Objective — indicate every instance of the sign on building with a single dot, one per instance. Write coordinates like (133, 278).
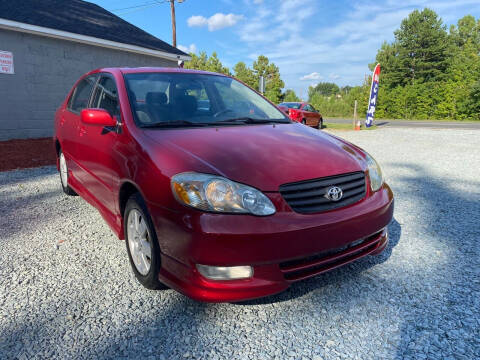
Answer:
(6, 62)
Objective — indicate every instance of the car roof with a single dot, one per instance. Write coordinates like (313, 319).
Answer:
(139, 70)
(295, 102)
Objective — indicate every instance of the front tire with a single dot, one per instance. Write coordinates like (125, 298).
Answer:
(304, 122)
(142, 244)
(64, 175)
(320, 124)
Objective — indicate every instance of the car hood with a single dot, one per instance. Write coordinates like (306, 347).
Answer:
(262, 156)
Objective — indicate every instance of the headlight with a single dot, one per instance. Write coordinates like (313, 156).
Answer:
(374, 173)
(218, 194)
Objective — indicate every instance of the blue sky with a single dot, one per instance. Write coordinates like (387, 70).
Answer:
(310, 40)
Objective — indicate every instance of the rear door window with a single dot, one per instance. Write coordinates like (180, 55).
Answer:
(81, 95)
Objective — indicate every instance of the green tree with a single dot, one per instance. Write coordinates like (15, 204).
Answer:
(467, 29)
(207, 63)
(474, 101)
(214, 64)
(273, 82)
(326, 89)
(290, 96)
(340, 106)
(388, 59)
(197, 62)
(422, 45)
(245, 74)
(428, 73)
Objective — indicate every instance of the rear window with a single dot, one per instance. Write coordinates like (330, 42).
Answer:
(291, 105)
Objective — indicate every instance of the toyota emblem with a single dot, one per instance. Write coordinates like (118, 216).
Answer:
(334, 193)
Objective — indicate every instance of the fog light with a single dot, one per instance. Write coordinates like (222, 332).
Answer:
(225, 273)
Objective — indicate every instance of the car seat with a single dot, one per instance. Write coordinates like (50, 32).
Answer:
(157, 106)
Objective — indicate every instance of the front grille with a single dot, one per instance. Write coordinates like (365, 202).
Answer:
(308, 196)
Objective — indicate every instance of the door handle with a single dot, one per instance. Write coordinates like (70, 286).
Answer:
(83, 131)
(62, 121)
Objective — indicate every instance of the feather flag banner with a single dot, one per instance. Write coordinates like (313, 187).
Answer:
(372, 104)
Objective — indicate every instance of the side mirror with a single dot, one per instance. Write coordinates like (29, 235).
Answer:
(98, 117)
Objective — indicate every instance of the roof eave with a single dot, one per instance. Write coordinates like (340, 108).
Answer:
(90, 40)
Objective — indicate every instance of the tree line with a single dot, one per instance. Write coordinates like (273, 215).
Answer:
(250, 76)
(428, 72)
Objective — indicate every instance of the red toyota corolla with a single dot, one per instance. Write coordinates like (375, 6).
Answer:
(217, 193)
(303, 113)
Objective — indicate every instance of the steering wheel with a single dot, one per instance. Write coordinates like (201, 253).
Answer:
(221, 112)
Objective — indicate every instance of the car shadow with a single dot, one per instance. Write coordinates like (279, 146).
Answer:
(354, 269)
(440, 317)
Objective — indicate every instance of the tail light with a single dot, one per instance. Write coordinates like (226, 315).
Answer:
(293, 113)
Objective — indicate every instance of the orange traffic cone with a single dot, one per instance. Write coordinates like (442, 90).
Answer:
(357, 125)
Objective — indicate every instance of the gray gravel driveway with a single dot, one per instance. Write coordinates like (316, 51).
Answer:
(67, 290)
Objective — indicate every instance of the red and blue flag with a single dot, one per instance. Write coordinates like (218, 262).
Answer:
(372, 104)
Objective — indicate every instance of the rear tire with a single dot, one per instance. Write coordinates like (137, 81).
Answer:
(142, 244)
(64, 175)
(304, 122)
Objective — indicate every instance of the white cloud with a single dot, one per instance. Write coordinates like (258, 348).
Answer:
(334, 76)
(313, 76)
(192, 48)
(197, 20)
(214, 22)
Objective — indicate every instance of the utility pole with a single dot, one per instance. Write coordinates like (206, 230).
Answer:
(174, 25)
(356, 123)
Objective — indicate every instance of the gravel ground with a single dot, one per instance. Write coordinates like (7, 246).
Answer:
(67, 290)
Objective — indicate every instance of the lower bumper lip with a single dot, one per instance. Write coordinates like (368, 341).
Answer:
(317, 264)
(268, 279)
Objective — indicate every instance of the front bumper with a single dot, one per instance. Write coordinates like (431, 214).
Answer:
(282, 248)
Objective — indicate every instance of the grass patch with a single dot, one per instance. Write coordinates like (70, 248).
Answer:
(346, 127)
(419, 120)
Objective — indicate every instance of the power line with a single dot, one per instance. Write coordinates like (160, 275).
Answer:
(135, 10)
(156, 2)
(139, 6)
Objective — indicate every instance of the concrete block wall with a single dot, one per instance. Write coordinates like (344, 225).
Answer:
(45, 70)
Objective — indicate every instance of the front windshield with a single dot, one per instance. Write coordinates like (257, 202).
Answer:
(180, 99)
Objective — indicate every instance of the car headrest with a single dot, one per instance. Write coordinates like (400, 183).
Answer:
(156, 98)
(186, 104)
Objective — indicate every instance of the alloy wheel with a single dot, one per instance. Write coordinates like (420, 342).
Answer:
(139, 241)
(63, 170)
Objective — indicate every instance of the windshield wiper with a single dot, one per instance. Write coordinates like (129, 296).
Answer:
(173, 124)
(250, 120)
